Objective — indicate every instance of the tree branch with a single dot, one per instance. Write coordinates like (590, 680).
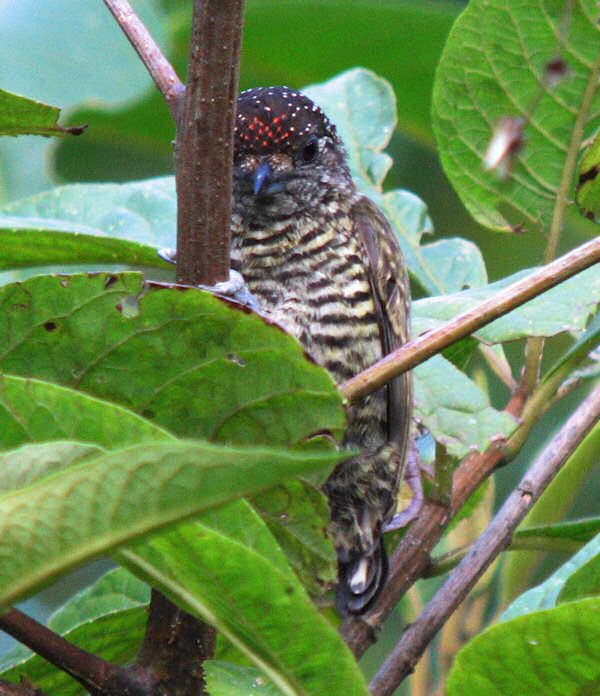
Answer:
(420, 349)
(419, 634)
(174, 649)
(204, 152)
(97, 676)
(161, 71)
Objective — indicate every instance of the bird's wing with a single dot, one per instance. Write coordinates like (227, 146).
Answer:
(391, 292)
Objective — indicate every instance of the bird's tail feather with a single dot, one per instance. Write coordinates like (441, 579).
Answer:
(360, 580)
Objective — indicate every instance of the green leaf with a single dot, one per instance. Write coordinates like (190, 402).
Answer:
(580, 531)
(192, 363)
(90, 508)
(456, 410)
(225, 679)
(106, 619)
(297, 515)
(476, 86)
(141, 213)
(22, 116)
(582, 347)
(363, 107)
(545, 595)
(584, 582)
(253, 602)
(114, 637)
(588, 183)
(566, 307)
(556, 651)
(35, 411)
(26, 465)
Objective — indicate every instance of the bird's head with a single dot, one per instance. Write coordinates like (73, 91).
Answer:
(288, 157)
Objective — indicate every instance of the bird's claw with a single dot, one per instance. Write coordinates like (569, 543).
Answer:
(235, 287)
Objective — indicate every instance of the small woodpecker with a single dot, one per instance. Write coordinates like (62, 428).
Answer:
(322, 259)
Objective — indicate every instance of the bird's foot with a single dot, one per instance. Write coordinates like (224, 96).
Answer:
(412, 476)
(234, 288)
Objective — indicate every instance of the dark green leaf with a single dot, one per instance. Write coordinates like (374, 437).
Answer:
(588, 183)
(22, 116)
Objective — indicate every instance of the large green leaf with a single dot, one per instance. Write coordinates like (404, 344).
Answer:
(257, 604)
(225, 679)
(22, 116)
(584, 582)
(106, 619)
(297, 515)
(566, 307)
(556, 651)
(545, 596)
(35, 411)
(182, 358)
(492, 67)
(363, 107)
(580, 531)
(108, 500)
(142, 213)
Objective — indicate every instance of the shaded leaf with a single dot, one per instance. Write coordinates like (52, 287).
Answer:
(36, 411)
(475, 87)
(580, 531)
(22, 116)
(112, 499)
(584, 582)
(254, 603)
(556, 651)
(297, 515)
(545, 595)
(588, 183)
(456, 410)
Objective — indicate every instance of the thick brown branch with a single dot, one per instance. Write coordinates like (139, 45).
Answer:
(204, 155)
(161, 71)
(419, 634)
(175, 648)
(417, 351)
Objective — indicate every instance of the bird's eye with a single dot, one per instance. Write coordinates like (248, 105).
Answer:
(310, 150)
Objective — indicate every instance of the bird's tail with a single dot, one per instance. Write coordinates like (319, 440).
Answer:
(360, 579)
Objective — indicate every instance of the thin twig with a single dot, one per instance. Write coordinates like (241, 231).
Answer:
(420, 349)
(419, 634)
(97, 676)
(161, 71)
(447, 561)
(204, 151)
(499, 367)
(25, 688)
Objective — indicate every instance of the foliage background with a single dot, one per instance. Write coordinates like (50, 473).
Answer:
(71, 53)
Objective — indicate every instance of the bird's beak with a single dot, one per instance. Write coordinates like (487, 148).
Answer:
(262, 178)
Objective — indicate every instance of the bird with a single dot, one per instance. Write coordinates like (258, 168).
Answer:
(317, 256)
(322, 259)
